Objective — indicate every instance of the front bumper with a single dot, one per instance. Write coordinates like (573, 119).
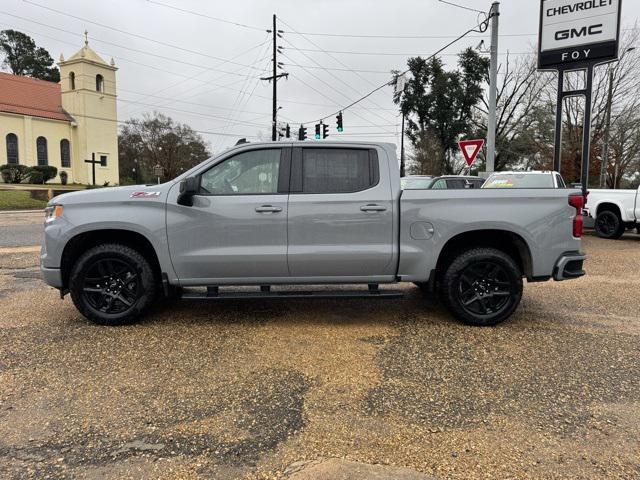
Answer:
(569, 266)
(52, 276)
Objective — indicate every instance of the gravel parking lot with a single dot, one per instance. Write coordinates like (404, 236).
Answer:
(245, 389)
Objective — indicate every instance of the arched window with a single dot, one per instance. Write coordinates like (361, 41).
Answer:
(99, 83)
(65, 153)
(72, 81)
(12, 148)
(41, 150)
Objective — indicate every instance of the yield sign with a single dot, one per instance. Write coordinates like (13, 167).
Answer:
(470, 149)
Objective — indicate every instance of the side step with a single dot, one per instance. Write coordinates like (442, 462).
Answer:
(215, 293)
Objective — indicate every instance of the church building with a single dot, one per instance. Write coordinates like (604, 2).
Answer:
(63, 124)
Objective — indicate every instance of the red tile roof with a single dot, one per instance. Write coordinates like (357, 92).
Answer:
(29, 96)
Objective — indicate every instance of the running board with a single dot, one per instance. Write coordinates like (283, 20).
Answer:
(214, 293)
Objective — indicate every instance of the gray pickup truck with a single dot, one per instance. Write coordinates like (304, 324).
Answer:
(259, 218)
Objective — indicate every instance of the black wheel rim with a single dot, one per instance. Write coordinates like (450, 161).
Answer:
(111, 286)
(606, 223)
(484, 289)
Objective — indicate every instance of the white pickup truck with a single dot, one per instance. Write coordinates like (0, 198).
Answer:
(611, 212)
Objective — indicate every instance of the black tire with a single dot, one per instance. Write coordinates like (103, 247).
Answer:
(609, 225)
(481, 286)
(112, 284)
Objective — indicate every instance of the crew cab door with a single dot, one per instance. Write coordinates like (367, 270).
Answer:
(340, 214)
(237, 226)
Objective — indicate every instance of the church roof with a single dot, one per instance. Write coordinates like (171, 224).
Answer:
(29, 96)
(86, 53)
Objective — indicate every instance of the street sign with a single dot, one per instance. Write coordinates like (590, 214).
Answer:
(470, 149)
(578, 32)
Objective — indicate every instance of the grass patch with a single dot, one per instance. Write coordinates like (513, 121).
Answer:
(19, 200)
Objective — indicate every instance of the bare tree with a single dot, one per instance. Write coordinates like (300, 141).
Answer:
(520, 94)
(158, 140)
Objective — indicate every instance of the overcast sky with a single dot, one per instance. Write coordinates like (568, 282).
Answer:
(173, 61)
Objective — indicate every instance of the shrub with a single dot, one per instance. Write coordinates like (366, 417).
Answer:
(6, 175)
(64, 177)
(48, 172)
(36, 176)
(17, 173)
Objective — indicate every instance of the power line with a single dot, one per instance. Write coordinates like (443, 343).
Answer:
(340, 63)
(341, 81)
(482, 26)
(462, 6)
(144, 52)
(399, 54)
(178, 83)
(412, 37)
(386, 72)
(159, 42)
(199, 14)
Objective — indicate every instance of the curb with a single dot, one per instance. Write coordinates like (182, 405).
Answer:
(35, 210)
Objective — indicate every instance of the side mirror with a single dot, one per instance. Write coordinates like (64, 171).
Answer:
(188, 188)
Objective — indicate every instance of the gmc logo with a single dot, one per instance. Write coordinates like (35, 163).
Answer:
(577, 33)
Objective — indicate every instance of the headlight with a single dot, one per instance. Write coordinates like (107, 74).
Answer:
(52, 212)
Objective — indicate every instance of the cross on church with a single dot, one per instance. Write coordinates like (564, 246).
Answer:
(86, 37)
(93, 162)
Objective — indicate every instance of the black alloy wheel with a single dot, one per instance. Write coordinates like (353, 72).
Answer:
(484, 288)
(481, 286)
(112, 284)
(609, 225)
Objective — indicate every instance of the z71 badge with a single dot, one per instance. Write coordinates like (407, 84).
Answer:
(145, 194)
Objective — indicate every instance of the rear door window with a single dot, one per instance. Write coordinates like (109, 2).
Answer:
(335, 170)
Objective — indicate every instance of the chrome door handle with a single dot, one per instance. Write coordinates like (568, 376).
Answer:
(268, 209)
(372, 208)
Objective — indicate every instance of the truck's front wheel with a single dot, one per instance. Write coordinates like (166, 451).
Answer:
(112, 284)
(482, 286)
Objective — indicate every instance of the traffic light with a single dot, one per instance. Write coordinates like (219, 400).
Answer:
(318, 131)
(339, 121)
(302, 133)
(287, 131)
(325, 130)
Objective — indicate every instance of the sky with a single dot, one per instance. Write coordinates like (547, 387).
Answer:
(200, 62)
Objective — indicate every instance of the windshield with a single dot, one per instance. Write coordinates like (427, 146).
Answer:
(415, 183)
(519, 180)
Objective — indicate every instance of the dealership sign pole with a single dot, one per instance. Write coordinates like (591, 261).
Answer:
(577, 35)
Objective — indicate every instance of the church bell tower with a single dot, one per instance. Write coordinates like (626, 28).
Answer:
(88, 86)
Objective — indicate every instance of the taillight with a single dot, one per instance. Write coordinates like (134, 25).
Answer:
(576, 200)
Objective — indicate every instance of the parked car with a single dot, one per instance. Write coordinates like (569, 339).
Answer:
(539, 179)
(268, 214)
(611, 212)
(416, 182)
(455, 182)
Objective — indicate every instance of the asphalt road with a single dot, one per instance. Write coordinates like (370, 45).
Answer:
(21, 229)
(246, 389)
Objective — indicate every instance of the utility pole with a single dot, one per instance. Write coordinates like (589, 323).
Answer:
(494, 15)
(274, 78)
(402, 160)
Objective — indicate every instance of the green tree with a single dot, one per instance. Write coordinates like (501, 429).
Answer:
(157, 140)
(439, 104)
(23, 57)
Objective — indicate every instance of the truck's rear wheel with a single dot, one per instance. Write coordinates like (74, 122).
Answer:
(609, 225)
(482, 286)
(112, 284)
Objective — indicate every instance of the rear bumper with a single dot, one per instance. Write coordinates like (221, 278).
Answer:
(569, 266)
(52, 276)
